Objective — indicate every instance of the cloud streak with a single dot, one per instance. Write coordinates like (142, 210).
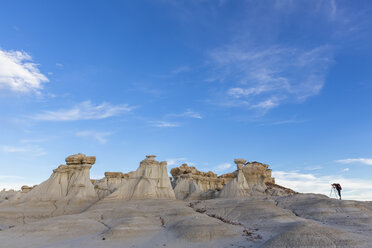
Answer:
(84, 111)
(178, 161)
(188, 113)
(222, 167)
(367, 161)
(164, 124)
(33, 150)
(262, 79)
(98, 136)
(19, 74)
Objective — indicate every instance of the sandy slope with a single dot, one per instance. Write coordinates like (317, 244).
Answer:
(302, 220)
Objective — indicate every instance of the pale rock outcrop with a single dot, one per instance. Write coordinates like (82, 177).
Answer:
(257, 174)
(237, 187)
(69, 183)
(68, 189)
(8, 195)
(149, 181)
(190, 183)
(26, 189)
(109, 183)
(277, 190)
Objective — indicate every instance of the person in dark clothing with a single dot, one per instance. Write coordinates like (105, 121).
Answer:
(337, 187)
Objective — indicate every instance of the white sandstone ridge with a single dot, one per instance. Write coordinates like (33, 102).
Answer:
(149, 181)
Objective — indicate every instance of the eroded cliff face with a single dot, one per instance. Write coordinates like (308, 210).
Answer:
(190, 183)
(149, 181)
(71, 185)
(110, 183)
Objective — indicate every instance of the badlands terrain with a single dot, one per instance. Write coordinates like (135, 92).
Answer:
(146, 208)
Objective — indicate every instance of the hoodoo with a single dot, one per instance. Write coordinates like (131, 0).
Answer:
(68, 190)
(70, 182)
(238, 187)
(149, 181)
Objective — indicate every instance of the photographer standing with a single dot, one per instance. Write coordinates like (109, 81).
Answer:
(337, 186)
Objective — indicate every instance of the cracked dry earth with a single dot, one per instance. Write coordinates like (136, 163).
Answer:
(302, 220)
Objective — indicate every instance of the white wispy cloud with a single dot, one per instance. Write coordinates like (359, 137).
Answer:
(181, 69)
(99, 136)
(164, 124)
(353, 188)
(178, 161)
(367, 161)
(346, 170)
(30, 141)
(311, 168)
(283, 122)
(10, 177)
(34, 150)
(84, 111)
(18, 73)
(262, 79)
(223, 167)
(188, 113)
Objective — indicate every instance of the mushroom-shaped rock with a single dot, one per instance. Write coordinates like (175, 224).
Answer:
(26, 189)
(80, 159)
(239, 163)
(69, 187)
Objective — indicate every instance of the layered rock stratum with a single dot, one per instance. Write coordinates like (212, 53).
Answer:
(146, 208)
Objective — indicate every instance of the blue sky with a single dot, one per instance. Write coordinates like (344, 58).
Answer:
(286, 83)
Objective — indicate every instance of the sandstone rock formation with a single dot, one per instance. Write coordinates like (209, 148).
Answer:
(26, 189)
(237, 187)
(68, 190)
(278, 190)
(7, 195)
(149, 181)
(190, 183)
(257, 174)
(109, 183)
(68, 183)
